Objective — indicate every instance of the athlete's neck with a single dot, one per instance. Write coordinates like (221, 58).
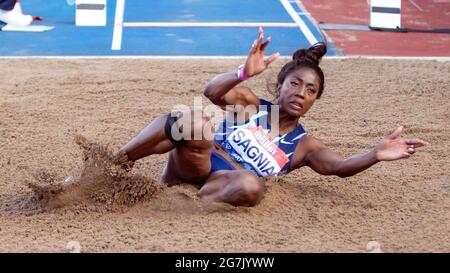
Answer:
(286, 122)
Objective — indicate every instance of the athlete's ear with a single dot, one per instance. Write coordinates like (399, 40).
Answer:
(278, 88)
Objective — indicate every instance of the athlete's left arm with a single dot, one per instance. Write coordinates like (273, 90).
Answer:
(328, 162)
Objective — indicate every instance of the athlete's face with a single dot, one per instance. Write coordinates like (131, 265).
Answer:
(299, 91)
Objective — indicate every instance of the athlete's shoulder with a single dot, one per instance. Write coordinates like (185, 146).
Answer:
(306, 145)
(310, 144)
(246, 95)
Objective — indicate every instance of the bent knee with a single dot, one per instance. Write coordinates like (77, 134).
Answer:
(196, 130)
(195, 125)
(251, 190)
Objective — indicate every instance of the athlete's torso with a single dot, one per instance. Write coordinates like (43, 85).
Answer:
(249, 144)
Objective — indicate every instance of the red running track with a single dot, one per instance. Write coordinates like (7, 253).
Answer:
(425, 14)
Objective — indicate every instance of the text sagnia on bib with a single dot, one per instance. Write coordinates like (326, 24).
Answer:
(253, 148)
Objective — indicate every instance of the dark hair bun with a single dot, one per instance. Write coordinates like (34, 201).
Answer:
(313, 54)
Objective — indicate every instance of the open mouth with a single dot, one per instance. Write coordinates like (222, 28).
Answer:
(296, 105)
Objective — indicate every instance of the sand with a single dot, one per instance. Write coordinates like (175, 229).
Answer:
(61, 121)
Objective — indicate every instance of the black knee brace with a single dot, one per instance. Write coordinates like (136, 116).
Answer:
(171, 121)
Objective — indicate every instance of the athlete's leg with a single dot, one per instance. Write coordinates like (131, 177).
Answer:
(190, 161)
(189, 157)
(151, 140)
(236, 187)
(7, 5)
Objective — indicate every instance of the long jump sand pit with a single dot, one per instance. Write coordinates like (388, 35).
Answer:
(60, 119)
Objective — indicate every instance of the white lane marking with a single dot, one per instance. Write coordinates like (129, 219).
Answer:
(303, 28)
(118, 25)
(219, 57)
(416, 5)
(210, 24)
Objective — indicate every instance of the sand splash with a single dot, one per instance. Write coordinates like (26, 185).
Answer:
(105, 180)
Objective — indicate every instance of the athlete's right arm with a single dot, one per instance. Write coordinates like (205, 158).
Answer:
(222, 90)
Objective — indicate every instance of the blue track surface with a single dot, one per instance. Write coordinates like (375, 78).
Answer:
(66, 39)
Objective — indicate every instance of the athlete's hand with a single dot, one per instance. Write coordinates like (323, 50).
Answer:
(392, 147)
(256, 63)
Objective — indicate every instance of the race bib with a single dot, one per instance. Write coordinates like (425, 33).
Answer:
(254, 150)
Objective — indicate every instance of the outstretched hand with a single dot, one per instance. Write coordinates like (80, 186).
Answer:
(392, 147)
(256, 63)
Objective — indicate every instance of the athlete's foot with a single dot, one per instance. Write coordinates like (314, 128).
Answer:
(16, 17)
(121, 159)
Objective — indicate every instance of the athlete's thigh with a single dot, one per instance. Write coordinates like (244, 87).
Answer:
(219, 179)
(236, 187)
(190, 161)
(192, 164)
